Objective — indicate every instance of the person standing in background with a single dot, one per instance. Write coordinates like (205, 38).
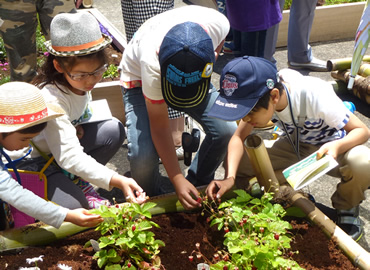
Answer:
(249, 21)
(136, 12)
(19, 31)
(300, 56)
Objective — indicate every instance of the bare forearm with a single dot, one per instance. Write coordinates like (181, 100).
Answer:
(355, 137)
(234, 155)
(235, 149)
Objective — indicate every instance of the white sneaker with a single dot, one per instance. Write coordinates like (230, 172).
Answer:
(180, 153)
(314, 65)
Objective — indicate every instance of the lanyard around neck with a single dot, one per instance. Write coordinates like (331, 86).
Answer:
(296, 133)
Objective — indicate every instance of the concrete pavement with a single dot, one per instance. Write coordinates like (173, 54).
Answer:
(321, 189)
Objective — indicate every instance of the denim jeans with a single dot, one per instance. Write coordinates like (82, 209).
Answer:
(143, 156)
(249, 43)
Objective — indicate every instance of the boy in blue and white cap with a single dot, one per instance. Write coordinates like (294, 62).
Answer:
(251, 90)
(169, 62)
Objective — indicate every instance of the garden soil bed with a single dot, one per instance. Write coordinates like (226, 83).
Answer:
(180, 232)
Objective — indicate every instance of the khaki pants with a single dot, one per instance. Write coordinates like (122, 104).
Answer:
(353, 169)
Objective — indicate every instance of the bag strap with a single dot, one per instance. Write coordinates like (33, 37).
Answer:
(302, 112)
(47, 164)
(11, 164)
(45, 156)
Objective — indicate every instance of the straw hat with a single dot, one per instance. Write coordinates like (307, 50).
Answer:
(74, 34)
(22, 105)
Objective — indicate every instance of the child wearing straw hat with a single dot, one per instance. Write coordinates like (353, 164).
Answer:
(76, 63)
(23, 115)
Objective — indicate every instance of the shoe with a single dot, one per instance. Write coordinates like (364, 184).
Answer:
(229, 48)
(93, 198)
(180, 153)
(314, 65)
(95, 202)
(349, 221)
(87, 3)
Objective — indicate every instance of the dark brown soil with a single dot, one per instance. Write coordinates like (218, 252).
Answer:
(180, 232)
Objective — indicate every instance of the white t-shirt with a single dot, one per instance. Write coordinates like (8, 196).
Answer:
(59, 138)
(140, 58)
(326, 115)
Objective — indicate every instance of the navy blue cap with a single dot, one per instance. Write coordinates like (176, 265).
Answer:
(186, 58)
(243, 82)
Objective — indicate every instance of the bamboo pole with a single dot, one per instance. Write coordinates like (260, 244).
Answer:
(359, 257)
(39, 233)
(364, 70)
(36, 234)
(361, 86)
(261, 163)
(339, 87)
(343, 63)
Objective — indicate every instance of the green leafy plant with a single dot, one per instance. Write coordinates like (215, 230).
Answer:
(4, 79)
(111, 72)
(40, 40)
(126, 239)
(288, 3)
(2, 51)
(256, 236)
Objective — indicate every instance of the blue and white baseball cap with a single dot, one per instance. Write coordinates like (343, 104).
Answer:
(186, 58)
(243, 82)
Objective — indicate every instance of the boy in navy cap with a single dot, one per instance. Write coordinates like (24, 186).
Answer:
(251, 90)
(169, 62)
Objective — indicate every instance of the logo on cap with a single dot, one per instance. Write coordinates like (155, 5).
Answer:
(207, 71)
(270, 83)
(180, 78)
(229, 84)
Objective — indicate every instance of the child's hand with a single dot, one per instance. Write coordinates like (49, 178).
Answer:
(83, 218)
(217, 188)
(79, 132)
(132, 191)
(329, 148)
(140, 197)
(188, 195)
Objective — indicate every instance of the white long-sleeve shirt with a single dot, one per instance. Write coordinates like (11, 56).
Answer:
(59, 138)
(28, 202)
